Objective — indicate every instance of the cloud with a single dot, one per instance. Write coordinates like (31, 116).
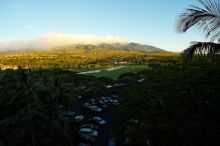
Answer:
(59, 39)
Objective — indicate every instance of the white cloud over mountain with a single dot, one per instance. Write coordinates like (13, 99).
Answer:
(59, 39)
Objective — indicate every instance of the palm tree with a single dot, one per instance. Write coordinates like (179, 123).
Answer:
(207, 19)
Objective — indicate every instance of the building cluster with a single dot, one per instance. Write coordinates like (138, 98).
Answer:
(4, 67)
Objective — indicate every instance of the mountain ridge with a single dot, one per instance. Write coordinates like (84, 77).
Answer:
(92, 47)
(107, 46)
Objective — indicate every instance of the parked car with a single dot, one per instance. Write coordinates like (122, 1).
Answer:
(87, 138)
(140, 80)
(83, 144)
(91, 126)
(134, 121)
(88, 131)
(93, 101)
(115, 96)
(71, 114)
(114, 102)
(99, 120)
(101, 102)
(108, 98)
(86, 105)
(95, 108)
(79, 118)
(103, 98)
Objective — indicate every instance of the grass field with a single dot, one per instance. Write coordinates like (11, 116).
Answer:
(117, 73)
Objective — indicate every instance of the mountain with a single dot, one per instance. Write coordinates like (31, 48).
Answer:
(108, 47)
(131, 47)
(93, 48)
(63, 41)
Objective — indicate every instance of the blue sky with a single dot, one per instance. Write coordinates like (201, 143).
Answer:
(145, 21)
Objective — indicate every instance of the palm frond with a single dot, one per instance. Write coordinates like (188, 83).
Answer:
(207, 19)
(201, 49)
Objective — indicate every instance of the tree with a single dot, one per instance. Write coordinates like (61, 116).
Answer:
(207, 19)
(28, 109)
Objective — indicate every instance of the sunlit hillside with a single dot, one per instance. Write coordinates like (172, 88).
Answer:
(85, 56)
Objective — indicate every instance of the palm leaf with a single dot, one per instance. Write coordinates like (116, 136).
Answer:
(201, 49)
(207, 19)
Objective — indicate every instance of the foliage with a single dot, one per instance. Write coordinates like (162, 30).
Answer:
(174, 106)
(30, 112)
(208, 20)
(201, 49)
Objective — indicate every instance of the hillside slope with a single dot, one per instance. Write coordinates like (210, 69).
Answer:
(117, 46)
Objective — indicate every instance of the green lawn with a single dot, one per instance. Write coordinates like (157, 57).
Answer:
(116, 73)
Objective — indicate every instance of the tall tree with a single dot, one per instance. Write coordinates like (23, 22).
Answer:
(207, 19)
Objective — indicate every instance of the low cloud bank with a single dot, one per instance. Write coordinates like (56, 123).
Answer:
(59, 39)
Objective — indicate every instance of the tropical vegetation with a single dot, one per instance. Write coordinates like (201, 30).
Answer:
(206, 19)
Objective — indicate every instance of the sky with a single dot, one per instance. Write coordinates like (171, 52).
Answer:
(149, 22)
